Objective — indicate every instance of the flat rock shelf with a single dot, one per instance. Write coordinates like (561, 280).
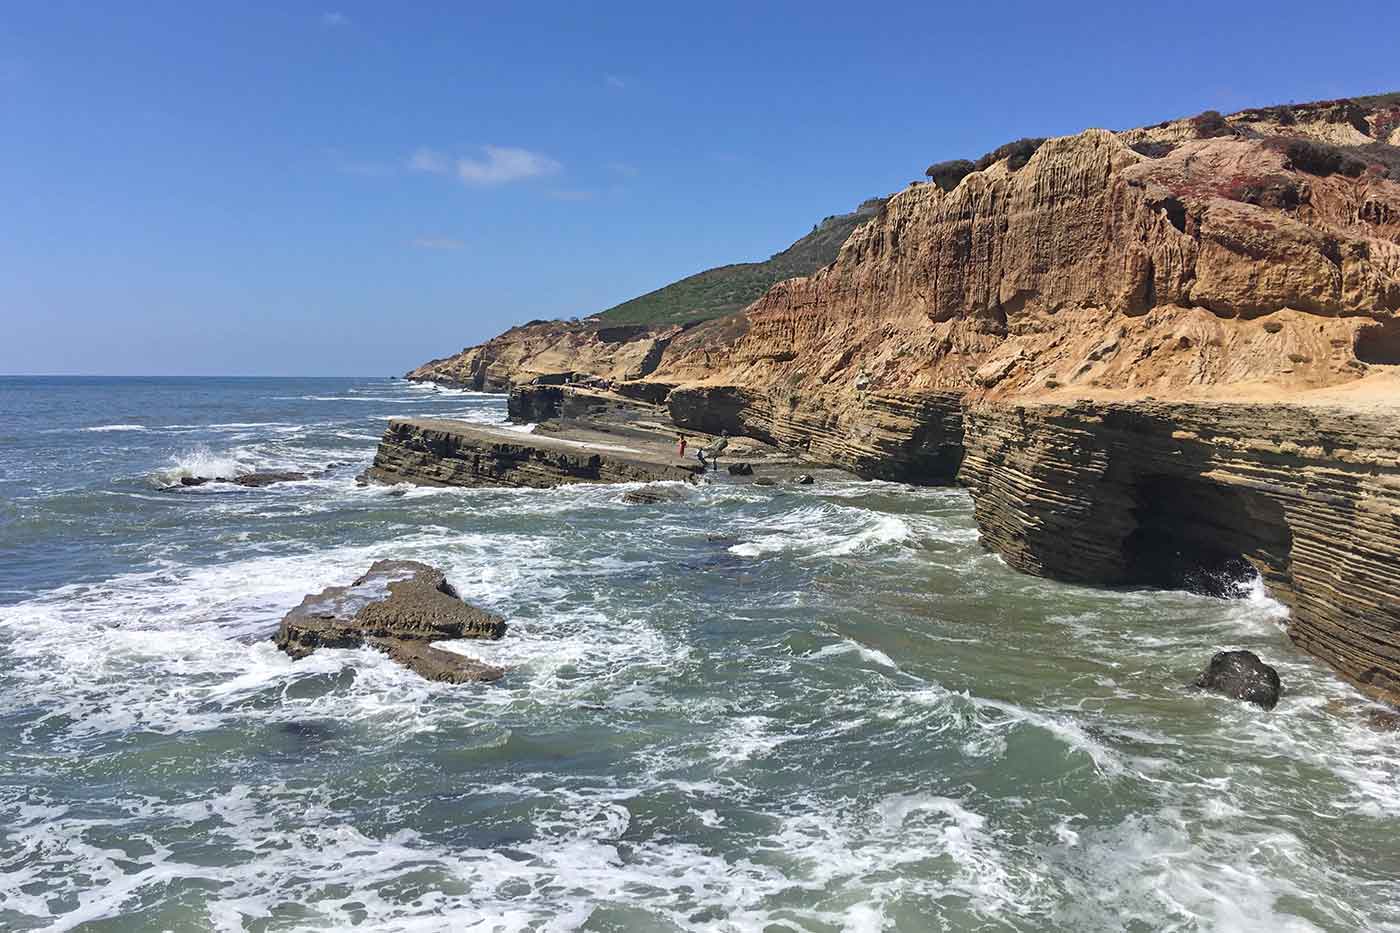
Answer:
(449, 453)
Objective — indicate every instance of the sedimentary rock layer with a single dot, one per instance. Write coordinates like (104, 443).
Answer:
(1138, 492)
(447, 453)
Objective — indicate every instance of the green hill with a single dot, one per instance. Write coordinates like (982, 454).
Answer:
(726, 289)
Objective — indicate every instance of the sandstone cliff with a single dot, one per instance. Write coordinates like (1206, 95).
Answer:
(1175, 344)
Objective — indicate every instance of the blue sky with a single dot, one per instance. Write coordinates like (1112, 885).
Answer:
(352, 188)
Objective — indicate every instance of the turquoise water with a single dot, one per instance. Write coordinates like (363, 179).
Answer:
(763, 708)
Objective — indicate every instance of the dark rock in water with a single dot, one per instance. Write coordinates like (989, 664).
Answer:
(308, 731)
(267, 479)
(1241, 675)
(765, 481)
(806, 479)
(255, 480)
(740, 469)
(398, 607)
(651, 495)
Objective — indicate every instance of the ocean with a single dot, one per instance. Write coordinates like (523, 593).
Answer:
(763, 708)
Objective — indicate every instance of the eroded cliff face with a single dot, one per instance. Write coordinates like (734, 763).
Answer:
(1092, 266)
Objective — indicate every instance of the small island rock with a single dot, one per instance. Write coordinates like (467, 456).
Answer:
(398, 607)
(1243, 676)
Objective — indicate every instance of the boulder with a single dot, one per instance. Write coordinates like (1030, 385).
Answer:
(765, 481)
(806, 479)
(1241, 675)
(398, 607)
(740, 469)
(651, 495)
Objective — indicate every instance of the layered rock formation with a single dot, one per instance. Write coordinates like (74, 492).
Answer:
(1148, 493)
(1145, 352)
(398, 607)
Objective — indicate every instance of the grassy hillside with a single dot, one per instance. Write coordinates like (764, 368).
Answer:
(726, 289)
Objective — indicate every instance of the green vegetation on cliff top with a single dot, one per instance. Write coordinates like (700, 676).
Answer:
(726, 289)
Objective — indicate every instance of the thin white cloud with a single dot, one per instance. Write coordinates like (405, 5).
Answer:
(334, 18)
(430, 160)
(505, 164)
(438, 242)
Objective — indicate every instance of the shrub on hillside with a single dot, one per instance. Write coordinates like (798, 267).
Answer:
(1281, 192)
(946, 175)
(1016, 153)
(1283, 115)
(1317, 158)
(1211, 124)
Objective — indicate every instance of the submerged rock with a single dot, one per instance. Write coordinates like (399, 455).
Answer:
(740, 469)
(765, 481)
(651, 495)
(1241, 675)
(398, 607)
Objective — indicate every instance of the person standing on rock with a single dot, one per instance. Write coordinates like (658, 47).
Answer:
(680, 446)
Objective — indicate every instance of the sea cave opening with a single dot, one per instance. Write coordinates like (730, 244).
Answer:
(1205, 537)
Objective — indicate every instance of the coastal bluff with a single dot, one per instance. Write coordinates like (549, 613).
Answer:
(1151, 355)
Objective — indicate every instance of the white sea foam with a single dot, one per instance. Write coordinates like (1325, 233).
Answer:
(822, 531)
(104, 428)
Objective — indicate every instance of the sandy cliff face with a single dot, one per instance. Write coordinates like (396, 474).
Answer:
(1092, 266)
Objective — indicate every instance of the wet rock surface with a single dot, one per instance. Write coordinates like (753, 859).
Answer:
(652, 495)
(400, 608)
(251, 480)
(1242, 676)
(740, 469)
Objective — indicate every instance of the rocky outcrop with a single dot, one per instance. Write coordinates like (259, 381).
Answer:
(447, 453)
(1150, 493)
(1242, 676)
(399, 608)
(250, 480)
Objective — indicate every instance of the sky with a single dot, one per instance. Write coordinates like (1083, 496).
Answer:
(353, 188)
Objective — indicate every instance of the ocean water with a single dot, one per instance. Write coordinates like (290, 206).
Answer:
(763, 708)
